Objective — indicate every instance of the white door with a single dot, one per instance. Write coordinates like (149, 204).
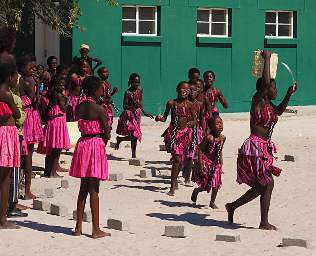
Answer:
(47, 42)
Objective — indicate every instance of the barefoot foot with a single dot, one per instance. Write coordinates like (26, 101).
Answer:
(213, 206)
(77, 233)
(9, 225)
(99, 234)
(171, 192)
(29, 196)
(267, 226)
(230, 213)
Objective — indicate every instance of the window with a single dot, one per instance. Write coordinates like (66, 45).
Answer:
(212, 22)
(279, 24)
(139, 20)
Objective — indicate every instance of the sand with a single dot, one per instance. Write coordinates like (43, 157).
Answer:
(143, 203)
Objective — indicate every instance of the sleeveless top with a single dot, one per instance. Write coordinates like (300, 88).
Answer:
(264, 117)
(211, 95)
(134, 97)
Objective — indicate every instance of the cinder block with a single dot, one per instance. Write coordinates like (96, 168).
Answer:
(162, 148)
(145, 173)
(112, 144)
(164, 173)
(87, 216)
(59, 210)
(289, 158)
(136, 161)
(228, 238)
(115, 176)
(41, 205)
(117, 225)
(295, 242)
(49, 192)
(174, 231)
(64, 184)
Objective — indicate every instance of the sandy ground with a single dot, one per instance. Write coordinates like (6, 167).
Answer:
(143, 203)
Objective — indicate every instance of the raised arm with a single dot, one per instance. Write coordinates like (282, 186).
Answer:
(283, 105)
(265, 74)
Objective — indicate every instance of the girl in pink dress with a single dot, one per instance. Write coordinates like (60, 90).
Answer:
(9, 141)
(178, 137)
(32, 129)
(107, 101)
(207, 171)
(129, 122)
(255, 159)
(56, 132)
(89, 162)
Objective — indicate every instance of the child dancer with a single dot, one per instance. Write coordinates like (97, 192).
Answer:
(178, 136)
(129, 122)
(193, 75)
(207, 170)
(107, 101)
(9, 141)
(32, 130)
(89, 161)
(212, 95)
(56, 132)
(255, 158)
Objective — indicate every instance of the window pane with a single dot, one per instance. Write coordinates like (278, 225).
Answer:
(219, 29)
(129, 12)
(203, 28)
(147, 13)
(270, 30)
(285, 30)
(270, 17)
(128, 26)
(203, 15)
(218, 15)
(285, 17)
(147, 27)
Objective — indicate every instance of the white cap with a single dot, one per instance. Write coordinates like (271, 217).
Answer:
(84, 46)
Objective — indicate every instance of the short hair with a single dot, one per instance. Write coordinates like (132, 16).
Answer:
(132, 77)
(90, 84)
(100, 69)
(181, 84)
(259, 83)
(23, 61)
(50, 58)
(212, 120)
(193, 71)
(7, 36)
(6, 70)
(207, 72)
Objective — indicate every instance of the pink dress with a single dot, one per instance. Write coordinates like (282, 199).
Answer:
(129, 122)
(107, 106)
(9, 141)
(89, 159)
(255, 158)
(32, 129)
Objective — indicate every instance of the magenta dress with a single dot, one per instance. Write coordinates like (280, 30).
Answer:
(32, 129)
(129, 122)
(9, 141)
(107, 106)
(89, 159)
(255, 158)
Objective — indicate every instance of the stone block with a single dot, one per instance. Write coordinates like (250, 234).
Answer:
(228, 238)
(87, 216)
(289, 158)
(41, 205)
(59, 210)
(296, 242)
(64, 184)
(136, 161)
(117, 225)
(174, 231)
(145, 173)
(49, 192)
(115, 176)
(162, 148)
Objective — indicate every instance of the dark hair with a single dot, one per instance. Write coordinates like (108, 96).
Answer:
(90, 84)
(50, 58)
(40, 66)
(212, 120)
(23, 61)
(259, 83)
(7, 37)
(55, 81)
(132, 77)
(100, 70)
(6, 70)
(60, 69)
(193, 71)
(180, 84)
(207, 72)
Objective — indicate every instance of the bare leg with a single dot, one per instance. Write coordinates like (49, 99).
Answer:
(195, 193)
(213, 198)
(174, 175)
(81, 202)
(54, 163)
(187, 171)
(265, 200)
(94, 185)
(48, 166)
(133, 146)
(28, 172)
(120, 139)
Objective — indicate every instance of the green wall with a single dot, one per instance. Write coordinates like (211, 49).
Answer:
(163, 61)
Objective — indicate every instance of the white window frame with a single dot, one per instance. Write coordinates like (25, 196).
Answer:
(210, 22)
(137, 20)
(277, 24)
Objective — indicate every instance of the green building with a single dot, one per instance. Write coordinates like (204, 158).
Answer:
(162, 39)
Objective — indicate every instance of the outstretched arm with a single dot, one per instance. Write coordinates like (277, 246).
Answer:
(282, 106)
(222, 99)
(166, 113)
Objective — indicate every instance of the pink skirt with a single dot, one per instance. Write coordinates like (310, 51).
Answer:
(109, 111)
(89, 159)
(9, 147)
(32, 129)
(255, 163)
(128, 124)
(182, 145)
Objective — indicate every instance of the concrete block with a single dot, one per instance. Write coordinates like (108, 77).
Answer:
(296, 242)
(164, 173)
(162, 148)
(115, 176)
(228, 238)
(59, 210)
(154, 171)
(49, 192)
(289, 158)
(87, 216)
(117, 225)
(174, 231)
(41, 205)
(112, 144)
(136, 161)
(64, 184)
(145, 173)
